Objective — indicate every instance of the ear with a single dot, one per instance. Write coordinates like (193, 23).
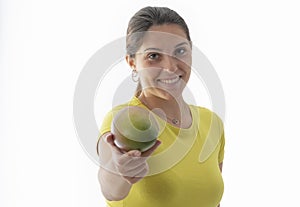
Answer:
(131, 62)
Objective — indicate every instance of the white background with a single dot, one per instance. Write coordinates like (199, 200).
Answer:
(253, 45)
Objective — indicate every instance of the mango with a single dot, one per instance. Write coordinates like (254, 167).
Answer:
(135, 128)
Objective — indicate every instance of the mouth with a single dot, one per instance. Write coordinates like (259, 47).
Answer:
(170, 80)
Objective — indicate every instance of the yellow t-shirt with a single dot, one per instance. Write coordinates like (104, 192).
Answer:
(184, 169)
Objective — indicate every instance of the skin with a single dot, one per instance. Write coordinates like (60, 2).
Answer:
(165, 55)
(119, 170)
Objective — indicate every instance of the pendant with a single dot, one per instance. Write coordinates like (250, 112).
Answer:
(175, 121)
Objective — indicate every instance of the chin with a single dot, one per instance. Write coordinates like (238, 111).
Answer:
(168, 95)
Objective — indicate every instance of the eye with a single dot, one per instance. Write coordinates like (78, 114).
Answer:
(180, 51)
(153, 56)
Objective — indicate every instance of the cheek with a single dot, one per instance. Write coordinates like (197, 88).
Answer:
(149, 65)
(143, 65)
(147, 70)
(186, 68)
(186, 62)
(149, 73)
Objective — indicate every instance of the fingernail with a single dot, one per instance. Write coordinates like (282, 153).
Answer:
(137, 153)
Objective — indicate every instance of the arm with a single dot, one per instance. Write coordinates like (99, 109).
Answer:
(119, 170)
(113, 186)
(220, 166)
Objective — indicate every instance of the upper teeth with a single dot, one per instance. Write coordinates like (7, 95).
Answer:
(169, 80)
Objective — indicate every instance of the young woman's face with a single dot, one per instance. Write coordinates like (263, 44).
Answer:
(163, 61)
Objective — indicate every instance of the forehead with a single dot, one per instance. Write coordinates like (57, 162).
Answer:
(164, 36)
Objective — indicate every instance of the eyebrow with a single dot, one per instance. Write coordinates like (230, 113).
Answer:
(152, 48)
(157, 49)
(180, 44)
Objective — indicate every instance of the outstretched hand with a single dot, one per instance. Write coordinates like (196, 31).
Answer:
(131, 165)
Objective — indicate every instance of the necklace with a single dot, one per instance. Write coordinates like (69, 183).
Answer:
(175, 121)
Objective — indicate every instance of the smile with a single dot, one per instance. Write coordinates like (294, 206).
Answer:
(170, 81)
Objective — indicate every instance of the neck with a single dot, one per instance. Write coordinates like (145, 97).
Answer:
(170, 108)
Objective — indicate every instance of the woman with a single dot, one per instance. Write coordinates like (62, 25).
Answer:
(184, 166)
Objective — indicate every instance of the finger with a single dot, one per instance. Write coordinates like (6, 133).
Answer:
(109, 139)
(135, 170)
(143, 172)
(151, 150)
(131, 180)
(134, 153)
(137, 177)
(128, 156)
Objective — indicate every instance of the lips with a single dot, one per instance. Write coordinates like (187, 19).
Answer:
(169, 80)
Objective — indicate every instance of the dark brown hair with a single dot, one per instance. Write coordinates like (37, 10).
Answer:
(143, 20)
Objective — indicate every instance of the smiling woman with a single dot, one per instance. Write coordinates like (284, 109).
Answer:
(159, 52)
(163, 61)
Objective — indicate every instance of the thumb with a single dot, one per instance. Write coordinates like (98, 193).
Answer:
(109, 139)
(134, 153)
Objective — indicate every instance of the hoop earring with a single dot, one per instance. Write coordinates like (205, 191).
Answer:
(135, 76)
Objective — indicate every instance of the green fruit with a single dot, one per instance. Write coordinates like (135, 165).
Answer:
(135, 128)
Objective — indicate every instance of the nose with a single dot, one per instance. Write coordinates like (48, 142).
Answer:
(169, 64)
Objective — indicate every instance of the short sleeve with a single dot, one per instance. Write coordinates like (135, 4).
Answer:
(222, 146)
(106, 123)
(107, 120)
(105, 127)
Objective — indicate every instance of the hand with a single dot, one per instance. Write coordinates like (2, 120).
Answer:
(131, 165)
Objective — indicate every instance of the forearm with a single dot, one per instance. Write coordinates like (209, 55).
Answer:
(113, 186)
